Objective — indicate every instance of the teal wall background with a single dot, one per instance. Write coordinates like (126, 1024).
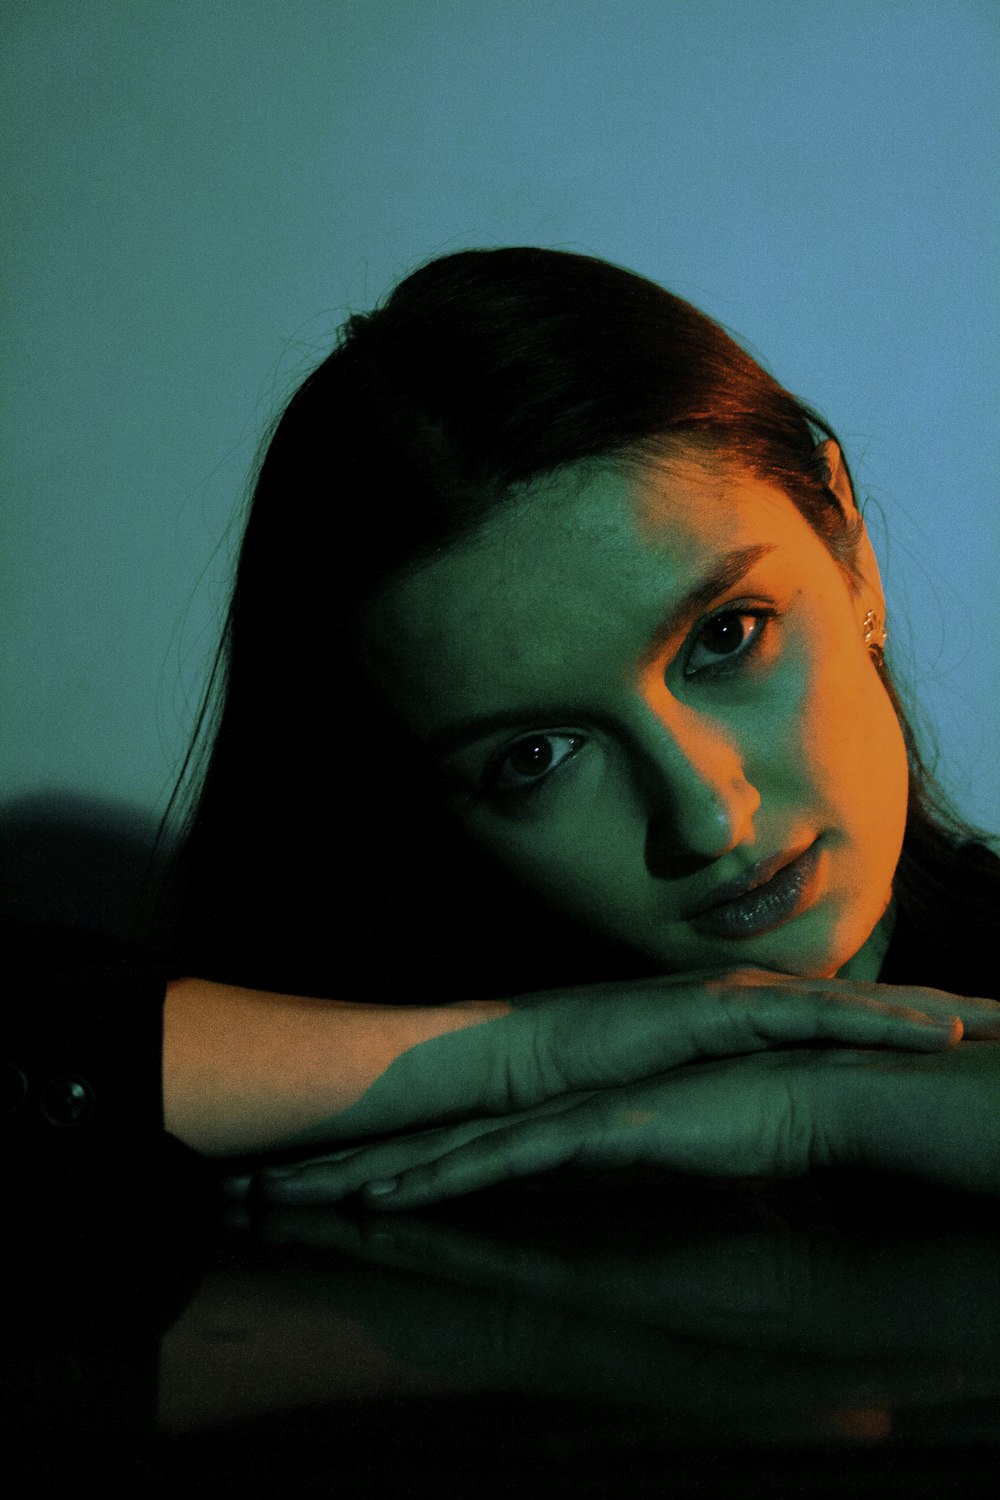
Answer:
(198, 191)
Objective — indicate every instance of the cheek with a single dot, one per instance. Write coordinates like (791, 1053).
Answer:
(880, 784)
(851, 752)
(582, 857)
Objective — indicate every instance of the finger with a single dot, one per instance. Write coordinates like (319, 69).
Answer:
(823, 1011)
(240, 1187)
(513, 1150)
(337, 1174)
(932, 1118)
(980, 1017)
(589, 1041)
(976, 1012)
(330, 1178)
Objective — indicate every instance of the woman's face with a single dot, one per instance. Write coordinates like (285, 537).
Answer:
(648, 691)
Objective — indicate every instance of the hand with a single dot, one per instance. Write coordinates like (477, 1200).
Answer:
(248, 1071)
(765, 1112)
(617, 1033)
(245, 1072)
(535, 1048)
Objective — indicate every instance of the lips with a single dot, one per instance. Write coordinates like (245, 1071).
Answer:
(762, 897)
(757, 875)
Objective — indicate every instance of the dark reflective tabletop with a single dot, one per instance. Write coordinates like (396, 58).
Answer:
(565, 1337)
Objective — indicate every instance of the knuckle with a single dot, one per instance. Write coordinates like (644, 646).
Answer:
(802, 1144)
(580, 1047)
(830, 1124)
(532, 1066)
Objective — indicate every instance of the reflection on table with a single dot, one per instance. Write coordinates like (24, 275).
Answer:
(579, 1335)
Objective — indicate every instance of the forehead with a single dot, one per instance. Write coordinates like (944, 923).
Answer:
(567, 581)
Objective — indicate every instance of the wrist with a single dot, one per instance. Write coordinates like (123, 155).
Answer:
(246, 1071)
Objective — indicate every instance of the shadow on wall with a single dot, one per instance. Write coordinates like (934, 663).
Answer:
(81, 862)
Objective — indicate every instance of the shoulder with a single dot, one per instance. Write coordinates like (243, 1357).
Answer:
(948, 901)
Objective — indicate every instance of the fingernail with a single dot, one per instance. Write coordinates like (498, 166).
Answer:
(380, 1189)
(289, 1171)
(923, 1022)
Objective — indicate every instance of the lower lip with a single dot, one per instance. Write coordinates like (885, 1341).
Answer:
(765, 907)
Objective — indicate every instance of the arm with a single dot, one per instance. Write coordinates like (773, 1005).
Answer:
(247, 1071)
(773, 1111)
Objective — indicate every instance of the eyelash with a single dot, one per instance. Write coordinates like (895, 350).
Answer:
(535, 783)
(762, 617)
(747, 648)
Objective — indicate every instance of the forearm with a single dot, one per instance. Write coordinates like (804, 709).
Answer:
(247, 1071)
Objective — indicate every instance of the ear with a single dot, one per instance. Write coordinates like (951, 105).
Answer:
(865, 561)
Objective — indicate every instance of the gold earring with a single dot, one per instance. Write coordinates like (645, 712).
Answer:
(875, 636)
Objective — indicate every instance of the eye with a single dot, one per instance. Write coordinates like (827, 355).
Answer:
(725, 639)
(526, 764)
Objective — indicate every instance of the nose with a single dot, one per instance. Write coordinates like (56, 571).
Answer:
(694, 783)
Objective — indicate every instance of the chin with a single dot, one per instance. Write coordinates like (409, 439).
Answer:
(772, 951)
(851, 952)
(806, 947)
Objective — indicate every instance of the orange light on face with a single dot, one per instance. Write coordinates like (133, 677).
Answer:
(657, 692)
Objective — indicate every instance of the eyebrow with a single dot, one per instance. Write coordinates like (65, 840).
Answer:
(727, 572)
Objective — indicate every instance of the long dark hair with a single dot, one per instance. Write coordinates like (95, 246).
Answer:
(317, 858)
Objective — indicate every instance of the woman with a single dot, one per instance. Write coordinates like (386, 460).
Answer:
(554, 670)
